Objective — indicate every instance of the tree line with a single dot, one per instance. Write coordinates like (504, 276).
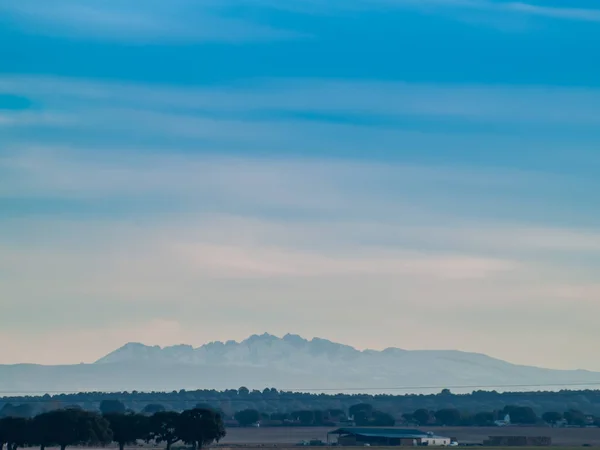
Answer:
(363, 414)
(519, 415)
(301, 408)
(197, 427)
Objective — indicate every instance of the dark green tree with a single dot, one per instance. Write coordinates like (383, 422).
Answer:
(422, 416)
(200, 427)
(361, 413)
(523, 415)
(16, 431)
(43, 429)
(318, 417)
(65, 427)
(247, 417)
(128, 428)
(466, 419)
(24, 410)
(448, 417)
(305, 417)
(360, 408)
(153, 408)
(382, 419)
(204, 405)
(483, 419)
(163, 427)
(552, 417)
(243, 391)
(3, 433)
(94, 429)
(112, 407)
(575, 418)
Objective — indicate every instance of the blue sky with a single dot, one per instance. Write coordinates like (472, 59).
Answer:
(191, 171)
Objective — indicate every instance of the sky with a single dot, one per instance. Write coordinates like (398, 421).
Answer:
(420, 174)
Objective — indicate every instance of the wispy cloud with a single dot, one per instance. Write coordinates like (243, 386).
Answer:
(35, 118)
(497, 6)
(127, 20)
(579, 14)
(285, 184)
(226, 21)
(364, 199)
(432, 6)
(514, 104)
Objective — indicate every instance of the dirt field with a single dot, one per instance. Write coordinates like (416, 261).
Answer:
(560, 436)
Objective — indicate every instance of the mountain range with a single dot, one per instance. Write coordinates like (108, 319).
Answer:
(290, 362)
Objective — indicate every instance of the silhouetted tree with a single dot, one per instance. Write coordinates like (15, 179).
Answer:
(94, 429)
(200, 427)
(66, 427)
(163, 427)
(43, 429)
(3, 433)
(127, 428)
(16, 432)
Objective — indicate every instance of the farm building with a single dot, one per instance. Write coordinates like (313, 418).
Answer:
(358, 436)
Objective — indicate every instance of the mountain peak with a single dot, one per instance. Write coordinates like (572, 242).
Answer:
(132, 351)
(295, 340)
(265, 337)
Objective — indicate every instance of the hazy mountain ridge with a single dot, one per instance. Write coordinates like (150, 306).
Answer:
(290, 362)
(261, 350)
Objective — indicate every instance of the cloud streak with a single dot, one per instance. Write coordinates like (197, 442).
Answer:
(130, 21)
(548, 105)
(438, 6)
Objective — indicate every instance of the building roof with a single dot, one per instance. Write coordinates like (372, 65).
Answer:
(389, 433)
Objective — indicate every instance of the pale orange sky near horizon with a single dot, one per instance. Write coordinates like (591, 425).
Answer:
(90, 345)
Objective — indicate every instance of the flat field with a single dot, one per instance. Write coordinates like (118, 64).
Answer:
(565, 437)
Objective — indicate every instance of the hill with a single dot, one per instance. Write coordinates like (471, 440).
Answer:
(290, 362)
